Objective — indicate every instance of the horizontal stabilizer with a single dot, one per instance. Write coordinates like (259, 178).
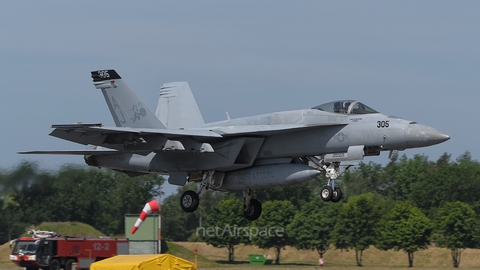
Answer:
(97, 134)
(71, 152)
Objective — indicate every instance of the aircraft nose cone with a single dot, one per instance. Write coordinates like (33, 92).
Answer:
(420, 135)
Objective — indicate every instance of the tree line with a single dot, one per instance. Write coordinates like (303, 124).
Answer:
(407, 205)
(98, 197)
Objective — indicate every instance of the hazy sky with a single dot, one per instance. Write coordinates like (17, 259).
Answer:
(418, 60)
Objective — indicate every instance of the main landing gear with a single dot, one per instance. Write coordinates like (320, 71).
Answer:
(189, 201)
(252, 208)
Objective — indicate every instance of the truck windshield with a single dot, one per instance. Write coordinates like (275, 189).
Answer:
(25, 247)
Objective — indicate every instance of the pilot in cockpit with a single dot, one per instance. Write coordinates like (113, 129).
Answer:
(345, 106)
(337, 106)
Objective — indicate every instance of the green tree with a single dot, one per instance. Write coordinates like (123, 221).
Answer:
(110, 195)
(448, 182)
(298, 194)
(456, 227)
(272, 224)
(178, 225)
(356, 225)
(99, 198)
(400, 176)
(312, 227)
(12, 226)
(226, 227)
(405, 228)
(366, 178)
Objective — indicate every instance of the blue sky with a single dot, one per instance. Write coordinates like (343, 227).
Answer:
(418, 60)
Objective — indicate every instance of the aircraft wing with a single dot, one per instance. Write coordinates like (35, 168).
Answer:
(261, 130)
(97, 134)
(145, 140)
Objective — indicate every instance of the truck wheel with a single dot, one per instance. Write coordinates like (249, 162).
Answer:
(55, 265)
(69, 264)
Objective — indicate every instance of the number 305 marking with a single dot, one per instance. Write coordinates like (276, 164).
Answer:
(383, 124)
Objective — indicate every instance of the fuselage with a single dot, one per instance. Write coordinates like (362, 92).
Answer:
(320, 132)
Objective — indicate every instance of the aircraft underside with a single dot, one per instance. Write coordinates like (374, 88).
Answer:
(265, 176)
(241, 174)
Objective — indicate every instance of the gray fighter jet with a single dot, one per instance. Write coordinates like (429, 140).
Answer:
(263, 151)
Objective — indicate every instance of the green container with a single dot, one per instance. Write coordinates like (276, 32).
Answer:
(256, 259)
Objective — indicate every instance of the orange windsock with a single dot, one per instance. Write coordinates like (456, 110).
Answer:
(149, 208)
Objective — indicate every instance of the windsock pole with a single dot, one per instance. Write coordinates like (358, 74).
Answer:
(149, 208)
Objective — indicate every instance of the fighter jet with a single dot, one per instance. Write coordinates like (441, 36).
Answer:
(244, 154)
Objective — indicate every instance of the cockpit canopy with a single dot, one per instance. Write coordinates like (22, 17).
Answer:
(346, 107)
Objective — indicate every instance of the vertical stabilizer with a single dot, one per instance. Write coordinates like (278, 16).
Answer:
(125, 106)
(177, 107)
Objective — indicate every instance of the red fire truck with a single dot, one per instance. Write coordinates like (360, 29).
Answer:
(55, 252)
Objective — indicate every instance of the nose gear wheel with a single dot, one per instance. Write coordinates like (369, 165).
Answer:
(326, 193)
(337, 195)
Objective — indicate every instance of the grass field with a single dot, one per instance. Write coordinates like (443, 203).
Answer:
(216, 258)
(432, 258)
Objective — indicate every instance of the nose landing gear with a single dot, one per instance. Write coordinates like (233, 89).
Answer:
(332, 171)
(330, 192)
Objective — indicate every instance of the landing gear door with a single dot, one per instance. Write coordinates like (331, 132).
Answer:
(353, 153)
(178, 178)
(356, 152)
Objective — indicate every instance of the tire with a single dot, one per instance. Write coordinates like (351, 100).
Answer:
(337, 195)
(255, 210)
(69, 264)
(55, 265)
(326, 193)
(189, 201)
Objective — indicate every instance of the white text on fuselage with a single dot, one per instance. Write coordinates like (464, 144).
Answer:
(248, 177)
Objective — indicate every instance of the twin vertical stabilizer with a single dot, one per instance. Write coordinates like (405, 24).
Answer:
(177, 107)
(127, 109)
